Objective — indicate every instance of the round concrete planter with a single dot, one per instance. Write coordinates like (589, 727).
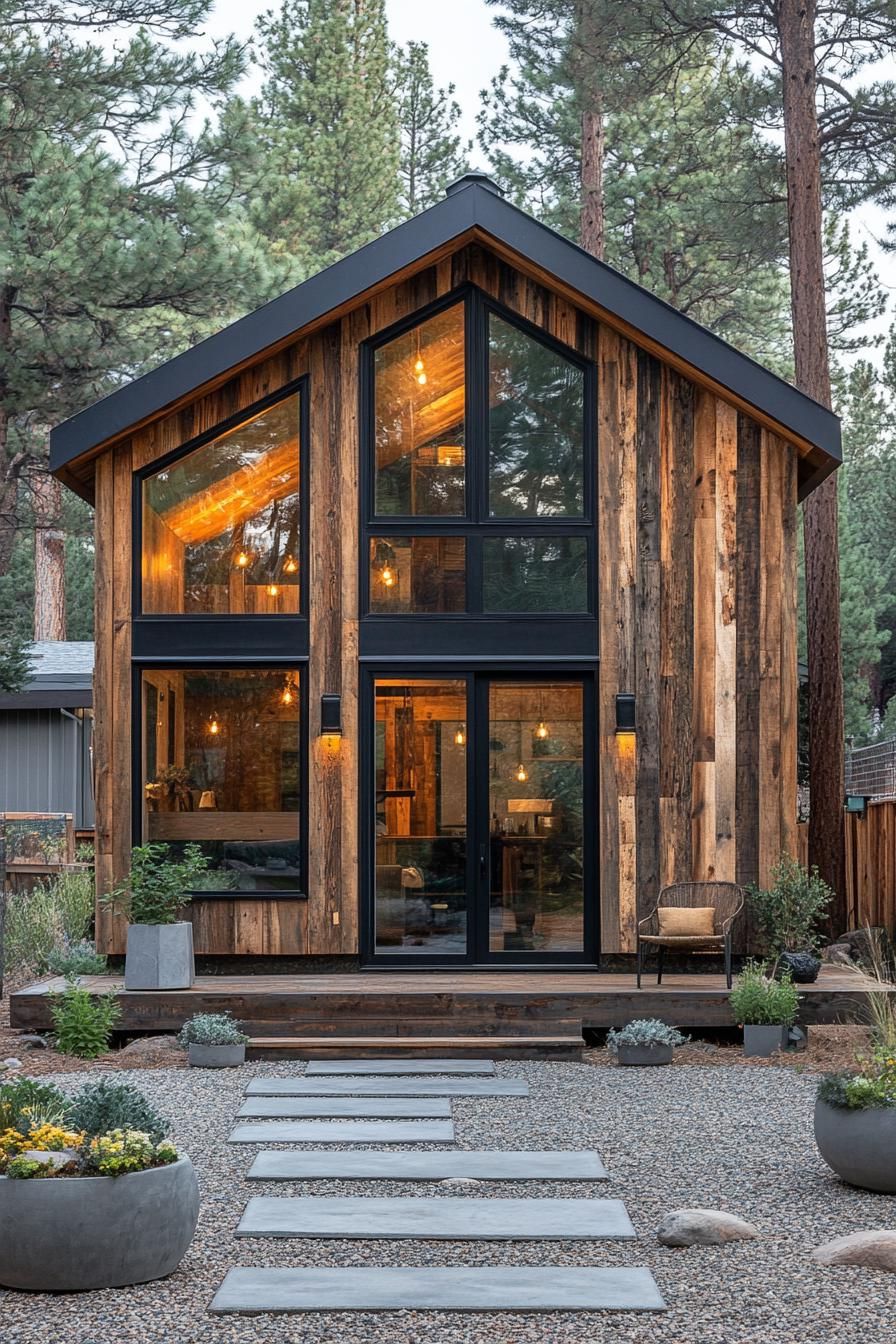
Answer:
(159, 956)
(215, 1056)
(68, 1234)
(859, 1145)
(644, 1055)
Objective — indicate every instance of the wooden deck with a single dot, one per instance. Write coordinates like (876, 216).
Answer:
(507, 1013)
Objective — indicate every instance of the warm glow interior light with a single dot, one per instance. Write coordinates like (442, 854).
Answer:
(387, 577)
(290, 565)
(287, 697)
(522, 774)
(242, 560)
(273, 590)
(541, 732)
(450, 455)
(460, 738)
(214, 726)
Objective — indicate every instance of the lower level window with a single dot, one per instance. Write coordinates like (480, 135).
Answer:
(221, 768)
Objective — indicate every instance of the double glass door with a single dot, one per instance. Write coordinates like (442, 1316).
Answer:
(481, 847)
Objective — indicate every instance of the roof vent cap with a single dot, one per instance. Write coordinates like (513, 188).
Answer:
(475, 178)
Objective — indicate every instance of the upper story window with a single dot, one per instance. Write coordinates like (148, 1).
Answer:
(481, 438)
(221, 525)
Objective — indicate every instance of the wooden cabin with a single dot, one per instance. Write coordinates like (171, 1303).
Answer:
(449, 603)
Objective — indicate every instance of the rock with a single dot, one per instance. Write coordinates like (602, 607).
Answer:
(703, 1227)
(872, 1250)
(54, 1160)
(12, 1063)
(33, 1042)
(153, 1048)
(838, 954)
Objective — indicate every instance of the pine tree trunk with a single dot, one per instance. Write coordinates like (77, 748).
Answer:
(796, 31)
(592, 210)
(49, 558)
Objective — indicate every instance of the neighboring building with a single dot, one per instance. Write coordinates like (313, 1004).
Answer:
(45, 735)
(385, 571)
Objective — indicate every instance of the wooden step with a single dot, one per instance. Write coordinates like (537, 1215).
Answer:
(416, 1047)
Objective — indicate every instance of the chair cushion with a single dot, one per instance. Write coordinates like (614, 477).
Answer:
(686, 922)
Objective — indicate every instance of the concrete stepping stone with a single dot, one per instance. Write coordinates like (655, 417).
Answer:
(251, 1291)
(345, 1131)
(371, 1108)
(387, 1087)
(395, 1067)
(428, 1166)
(445, 1218)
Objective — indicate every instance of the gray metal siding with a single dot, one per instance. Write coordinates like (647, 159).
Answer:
(45, 763)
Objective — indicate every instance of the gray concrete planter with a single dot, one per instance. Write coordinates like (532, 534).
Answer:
(215, 1056)
(69, 1234)
(764, 1040)
(644, 1055)
(159, 956)
(859, 1145)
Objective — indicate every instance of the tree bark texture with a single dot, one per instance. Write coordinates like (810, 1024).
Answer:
(49, 558)
(592, 209)
(796, 30)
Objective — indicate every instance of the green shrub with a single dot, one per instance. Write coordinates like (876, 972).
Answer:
(857, 1091)
(25, 1104)
(83, 1021)
(76, 959)
(759, 1000)
(124, 1150)
(158, 887)
(103, 1106)
(23, 1168)
(56, 912)
(789, 912)
(212, 1029)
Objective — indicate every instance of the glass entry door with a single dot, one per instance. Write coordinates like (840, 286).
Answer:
(481, 787)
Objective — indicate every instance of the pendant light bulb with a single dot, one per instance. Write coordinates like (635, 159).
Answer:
(287, 697)
(387, 577)
(242, 560)
(290, 565)
(214, 726)
(273, 590)
(522, 774)
(542, 731)
(460, 737)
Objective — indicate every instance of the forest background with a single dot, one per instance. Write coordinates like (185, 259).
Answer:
(160, 175)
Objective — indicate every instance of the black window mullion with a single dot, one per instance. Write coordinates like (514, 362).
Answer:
(477, 406)
(474, 573)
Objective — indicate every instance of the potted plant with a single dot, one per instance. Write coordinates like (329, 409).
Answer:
(855, 1113)
(766, 1008)
(788, 915)
(159, 951)
(644, 1042)
(213, 1041)
(132, 1199)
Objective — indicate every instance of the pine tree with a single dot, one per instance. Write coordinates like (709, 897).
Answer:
(113, 254)
(15, 663)
(432, 151)
(327, 134)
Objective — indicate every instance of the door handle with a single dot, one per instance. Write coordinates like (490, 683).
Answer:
(483, 861)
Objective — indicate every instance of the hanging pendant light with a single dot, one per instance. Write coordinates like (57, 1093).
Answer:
(287, 695)
(214, 726)
(521, 774)
(273, 590)
(460, 736)
(541, 731)
(290, 565)
(241, 561)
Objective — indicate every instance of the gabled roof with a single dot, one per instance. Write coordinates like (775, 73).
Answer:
(472, 208)
(60, 677)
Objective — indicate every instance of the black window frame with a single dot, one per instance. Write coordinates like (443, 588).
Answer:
(206, 664)
(576, 631)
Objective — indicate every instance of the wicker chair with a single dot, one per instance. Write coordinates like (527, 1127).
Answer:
(726, 899)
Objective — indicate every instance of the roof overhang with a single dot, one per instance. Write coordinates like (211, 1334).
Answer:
(81, 698)
(474, 212)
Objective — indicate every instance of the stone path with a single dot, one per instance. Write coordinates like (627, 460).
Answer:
(464, 1164)
(345, 1131)
(370, 1108)
(387, 1087)
(395, 1067)
(370, 1102)
(502, 1288)
(443, 1219)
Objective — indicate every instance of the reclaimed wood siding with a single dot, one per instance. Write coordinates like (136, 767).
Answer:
(697, 591)
(711, 652)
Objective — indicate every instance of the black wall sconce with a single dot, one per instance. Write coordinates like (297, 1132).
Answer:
(625, 713)
(330, 715)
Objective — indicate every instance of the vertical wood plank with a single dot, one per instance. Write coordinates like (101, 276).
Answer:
(747, 680)
(102, 696)
(703, 787)
(789, 678)
(647, 633)
(676, 625)
(771, 546)
(726, 643)
(120, 702)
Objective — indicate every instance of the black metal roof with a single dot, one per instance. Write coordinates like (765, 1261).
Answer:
(471, 203)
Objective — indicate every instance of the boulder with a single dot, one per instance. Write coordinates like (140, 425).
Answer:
(838, 954)
(149, 1049)
(872, 1250)
(54, 1160)
(11, 1062)
(32, 1042)
(703, 1227)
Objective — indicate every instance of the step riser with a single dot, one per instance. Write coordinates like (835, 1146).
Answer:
(444, 1029)
(419, 1050)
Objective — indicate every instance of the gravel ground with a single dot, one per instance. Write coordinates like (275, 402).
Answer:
(738, 1139)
